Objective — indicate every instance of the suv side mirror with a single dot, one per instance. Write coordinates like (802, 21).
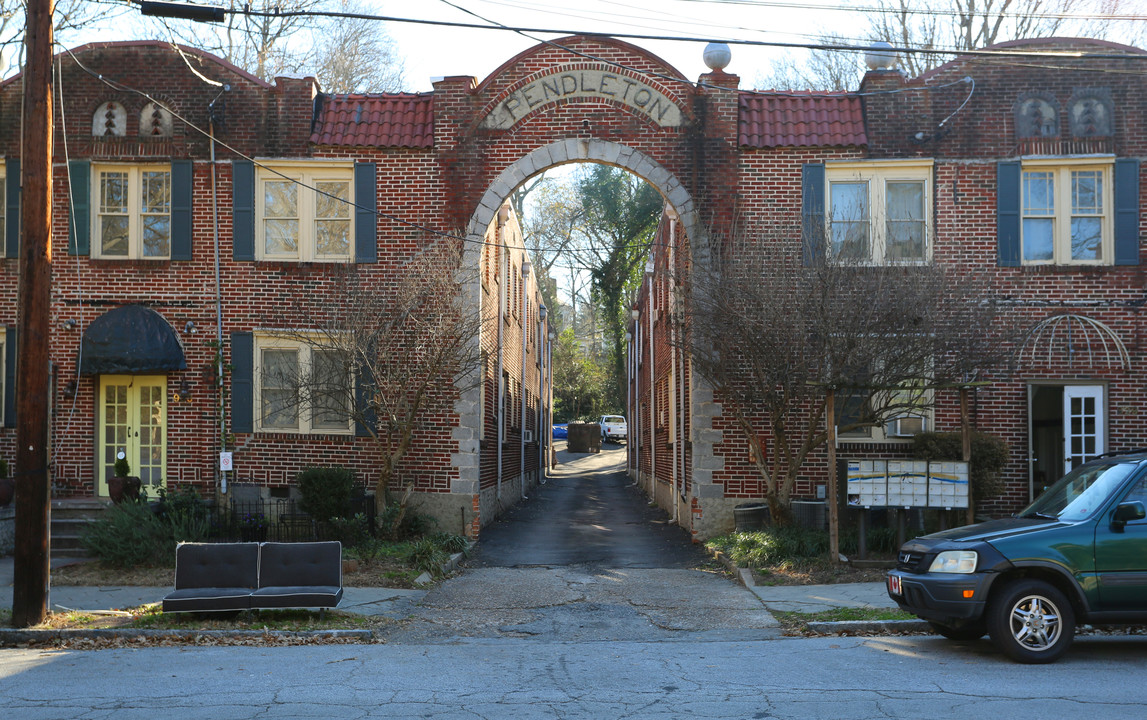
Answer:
(1125, 512)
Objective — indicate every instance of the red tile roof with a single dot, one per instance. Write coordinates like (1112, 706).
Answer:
(800, 120)
(397, 120)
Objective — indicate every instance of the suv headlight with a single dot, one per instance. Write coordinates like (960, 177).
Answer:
(954, 561)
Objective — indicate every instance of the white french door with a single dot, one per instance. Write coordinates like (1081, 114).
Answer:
(133, 422)
(1083, 426)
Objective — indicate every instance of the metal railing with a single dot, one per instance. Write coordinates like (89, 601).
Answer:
(279, 520)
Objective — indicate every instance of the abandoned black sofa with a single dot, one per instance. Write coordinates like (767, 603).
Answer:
(242, 576)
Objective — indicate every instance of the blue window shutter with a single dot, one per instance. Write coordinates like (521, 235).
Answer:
(812, 212)
(10, 377)
(12, 209)
(242, 382)
(363, 387)
(1008, 183)
(181, 191)
(243, 210)
(1127, 212)
(365, 213)
(80, 178)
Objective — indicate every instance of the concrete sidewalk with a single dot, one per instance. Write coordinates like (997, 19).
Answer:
(815, 598)
(388, 602)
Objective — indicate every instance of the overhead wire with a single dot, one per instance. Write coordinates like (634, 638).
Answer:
(682, 38)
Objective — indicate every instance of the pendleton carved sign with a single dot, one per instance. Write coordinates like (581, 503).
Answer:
(596, 84)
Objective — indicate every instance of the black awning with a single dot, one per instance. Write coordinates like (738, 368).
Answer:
(130, 339)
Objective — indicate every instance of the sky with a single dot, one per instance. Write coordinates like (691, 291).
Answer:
(438, 51)
(433, 51)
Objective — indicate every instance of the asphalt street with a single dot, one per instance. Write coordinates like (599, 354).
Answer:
(810, 678)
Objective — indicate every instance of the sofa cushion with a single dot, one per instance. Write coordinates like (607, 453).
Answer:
(298, 564)
(216, 565)
(207, 599)
(297, 596)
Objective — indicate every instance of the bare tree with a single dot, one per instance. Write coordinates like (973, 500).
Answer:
(68, 18)
(941, 29)
(407, 338)
(357, 54)
(945, 28)
(822, 70)
(272, 40)
(772, 334)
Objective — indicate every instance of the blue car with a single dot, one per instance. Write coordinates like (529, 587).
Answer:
(561, 431)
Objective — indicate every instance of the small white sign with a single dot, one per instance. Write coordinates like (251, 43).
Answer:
(225, 461)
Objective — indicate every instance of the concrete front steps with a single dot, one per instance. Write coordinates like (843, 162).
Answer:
(69, 517)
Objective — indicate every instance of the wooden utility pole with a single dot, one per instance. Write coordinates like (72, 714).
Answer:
(33, 381)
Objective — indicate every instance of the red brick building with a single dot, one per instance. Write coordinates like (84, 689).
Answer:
(1021, 167)
(200, 211)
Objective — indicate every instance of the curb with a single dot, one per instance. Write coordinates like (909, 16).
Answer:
(878, 627)
(744, 576)
(11, 638)
(447, 567)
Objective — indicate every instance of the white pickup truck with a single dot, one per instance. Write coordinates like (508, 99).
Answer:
(613, 428)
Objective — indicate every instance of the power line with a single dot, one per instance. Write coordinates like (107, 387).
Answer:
(1010, 52)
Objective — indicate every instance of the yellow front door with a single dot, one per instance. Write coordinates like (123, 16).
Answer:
(133, 425)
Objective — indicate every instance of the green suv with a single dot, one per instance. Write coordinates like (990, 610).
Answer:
(1076, 554)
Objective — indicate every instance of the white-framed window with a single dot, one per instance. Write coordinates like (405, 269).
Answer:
(131, 219)
(3, 371)
(878, 211)
(304, 212)
(4, 207)
(908, 411)
(301, 387)
(1067, 213)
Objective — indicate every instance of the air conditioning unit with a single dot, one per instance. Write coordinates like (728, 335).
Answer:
(909, 425)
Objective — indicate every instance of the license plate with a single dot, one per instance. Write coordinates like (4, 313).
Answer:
(894, 585)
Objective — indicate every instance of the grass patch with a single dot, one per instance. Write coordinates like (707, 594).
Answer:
(797, 623)
(151, 617)
(799, 556)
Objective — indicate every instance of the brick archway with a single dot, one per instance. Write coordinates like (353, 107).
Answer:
(543, 158)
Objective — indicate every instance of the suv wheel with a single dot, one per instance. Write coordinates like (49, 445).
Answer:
(1031, 622)
(972, 631)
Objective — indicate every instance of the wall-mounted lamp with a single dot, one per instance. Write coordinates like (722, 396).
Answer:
(183, 394)
(189, 327)
(542, 312)
(71, 388)
(69, 324)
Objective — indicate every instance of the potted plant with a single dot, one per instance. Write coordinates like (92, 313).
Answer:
(122, 485)
(7, 485)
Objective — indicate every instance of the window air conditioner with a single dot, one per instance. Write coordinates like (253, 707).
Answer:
(909, 425)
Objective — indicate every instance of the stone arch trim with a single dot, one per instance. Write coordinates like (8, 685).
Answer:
(664, 106)
(563, 152)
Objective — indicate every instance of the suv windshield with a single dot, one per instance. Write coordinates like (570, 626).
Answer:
(1081, 492)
